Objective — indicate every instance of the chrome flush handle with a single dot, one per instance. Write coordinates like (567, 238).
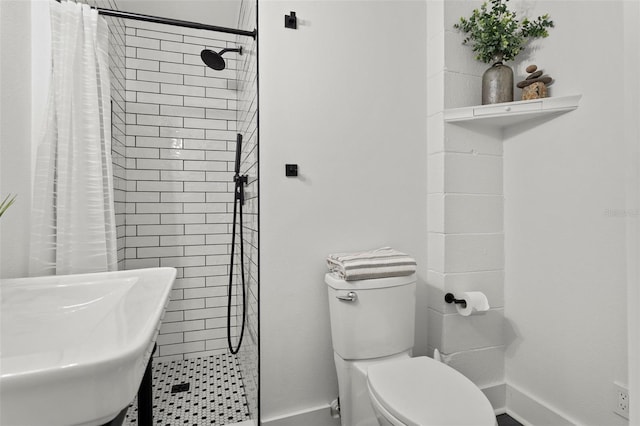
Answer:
(350, 297)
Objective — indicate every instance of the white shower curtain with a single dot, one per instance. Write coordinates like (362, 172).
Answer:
(73, 220)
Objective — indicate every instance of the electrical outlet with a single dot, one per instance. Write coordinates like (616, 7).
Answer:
(620, 400)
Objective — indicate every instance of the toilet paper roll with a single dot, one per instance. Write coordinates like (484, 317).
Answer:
(477, 303)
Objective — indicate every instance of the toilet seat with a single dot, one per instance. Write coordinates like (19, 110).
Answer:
(423, 392)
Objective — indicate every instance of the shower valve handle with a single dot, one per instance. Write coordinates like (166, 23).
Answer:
(241, 181)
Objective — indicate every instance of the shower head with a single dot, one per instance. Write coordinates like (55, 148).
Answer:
(214, 60)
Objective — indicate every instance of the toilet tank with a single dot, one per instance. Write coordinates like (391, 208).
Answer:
(379, 322)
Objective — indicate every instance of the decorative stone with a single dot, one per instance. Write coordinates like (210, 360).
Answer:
(531, 68)
(534, 75)
(523, 84)
(545, 79)
(535, 90)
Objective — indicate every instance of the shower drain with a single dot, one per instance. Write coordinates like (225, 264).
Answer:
(182, 387)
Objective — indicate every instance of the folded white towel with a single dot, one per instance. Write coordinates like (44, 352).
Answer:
(379, 263)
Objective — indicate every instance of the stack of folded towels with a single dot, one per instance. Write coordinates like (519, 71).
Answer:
(380, 263)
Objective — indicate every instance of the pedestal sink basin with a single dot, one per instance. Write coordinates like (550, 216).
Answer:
(73, 348)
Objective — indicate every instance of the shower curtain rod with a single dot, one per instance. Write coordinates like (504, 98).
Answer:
(174, 22)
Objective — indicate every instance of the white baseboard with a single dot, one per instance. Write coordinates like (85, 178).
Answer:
(318, 416)
(532, 412)
(496, 394)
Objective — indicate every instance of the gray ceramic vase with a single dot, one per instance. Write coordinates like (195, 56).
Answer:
(497, 83)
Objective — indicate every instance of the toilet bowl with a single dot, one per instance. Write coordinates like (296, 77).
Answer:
(372, 331)
(420, 391)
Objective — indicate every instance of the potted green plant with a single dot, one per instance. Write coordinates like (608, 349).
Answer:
(496, 35)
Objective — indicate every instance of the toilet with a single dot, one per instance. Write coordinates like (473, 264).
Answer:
(379, 383)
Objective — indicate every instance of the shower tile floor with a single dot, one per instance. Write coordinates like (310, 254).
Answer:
(215, 397)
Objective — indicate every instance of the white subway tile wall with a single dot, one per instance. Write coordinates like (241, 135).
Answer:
(247, 122)
(180, 144)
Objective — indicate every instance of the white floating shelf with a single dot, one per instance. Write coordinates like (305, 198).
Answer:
(510, 113)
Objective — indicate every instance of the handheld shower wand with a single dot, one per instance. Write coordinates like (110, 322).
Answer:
(238, 202)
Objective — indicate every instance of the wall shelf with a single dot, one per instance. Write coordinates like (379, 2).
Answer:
(510, 113)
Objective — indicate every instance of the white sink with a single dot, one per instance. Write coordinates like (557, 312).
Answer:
(73, 348)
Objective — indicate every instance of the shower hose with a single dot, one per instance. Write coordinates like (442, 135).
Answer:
(238, 201)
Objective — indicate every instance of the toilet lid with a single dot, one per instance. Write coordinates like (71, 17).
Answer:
(421, 392)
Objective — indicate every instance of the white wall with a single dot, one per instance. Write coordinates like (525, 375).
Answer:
(15, 134)
(564, 181)
(223, 13)
(632, 139)
(344, 97)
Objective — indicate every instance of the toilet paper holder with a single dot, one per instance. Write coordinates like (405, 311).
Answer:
(450, 298)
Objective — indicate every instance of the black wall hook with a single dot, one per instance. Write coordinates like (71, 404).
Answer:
(450, 298)
(291, 170)
(290, 21)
